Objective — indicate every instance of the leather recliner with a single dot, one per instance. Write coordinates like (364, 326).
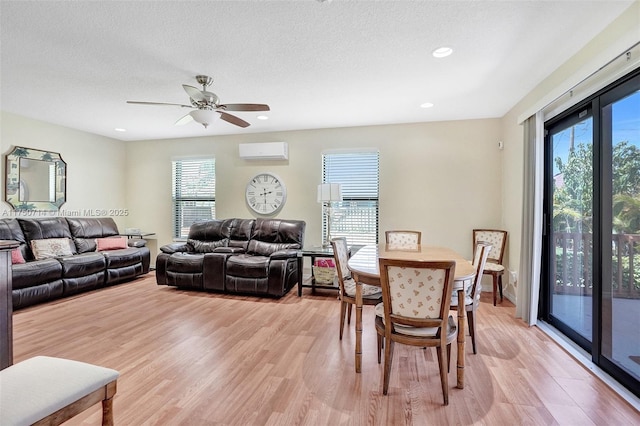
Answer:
(258, 257)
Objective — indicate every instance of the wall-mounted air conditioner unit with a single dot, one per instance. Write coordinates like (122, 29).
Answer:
(264, 151)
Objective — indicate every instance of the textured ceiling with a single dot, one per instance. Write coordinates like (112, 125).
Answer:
(317, 64)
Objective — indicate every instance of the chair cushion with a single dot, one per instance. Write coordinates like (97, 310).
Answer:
(248, 266)
(368, 291)
(122, 257)
(493, 267)
(82, 265)
(34, 273)
(40, 386)
(185, 263)
(454, 299)
(418, 331)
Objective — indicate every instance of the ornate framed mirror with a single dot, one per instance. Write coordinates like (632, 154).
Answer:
(35, 180)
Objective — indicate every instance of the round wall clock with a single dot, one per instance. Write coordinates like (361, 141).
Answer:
(265, 194)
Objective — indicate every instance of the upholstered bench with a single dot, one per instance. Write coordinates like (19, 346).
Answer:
(49, 391)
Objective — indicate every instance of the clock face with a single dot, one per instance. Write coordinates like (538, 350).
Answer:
(265, 194)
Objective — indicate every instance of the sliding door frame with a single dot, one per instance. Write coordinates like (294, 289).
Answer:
(602, 229)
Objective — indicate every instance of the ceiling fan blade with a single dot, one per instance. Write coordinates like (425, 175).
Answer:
(158, 103)
(245, 107)
(194, 93)
(233, 119)
(184, 120)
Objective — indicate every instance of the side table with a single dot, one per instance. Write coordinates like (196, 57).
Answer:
(137, 234)
(314, 252)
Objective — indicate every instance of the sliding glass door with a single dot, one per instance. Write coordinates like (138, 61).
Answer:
(571, 151)
(591, 265)
(620, 305)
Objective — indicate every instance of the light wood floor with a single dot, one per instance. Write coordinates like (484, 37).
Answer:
(191, 358)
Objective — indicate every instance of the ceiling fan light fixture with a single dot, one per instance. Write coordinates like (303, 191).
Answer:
(262, 117)
(208, 107)
(204, 116)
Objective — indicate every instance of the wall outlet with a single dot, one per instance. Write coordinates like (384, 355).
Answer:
(513, 277)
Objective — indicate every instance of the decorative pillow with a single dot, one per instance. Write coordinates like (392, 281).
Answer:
(206, 246)
(16, 256)
(51, 247)
(111, 243)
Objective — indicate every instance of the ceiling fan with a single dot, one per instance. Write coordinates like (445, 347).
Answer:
(207, 106)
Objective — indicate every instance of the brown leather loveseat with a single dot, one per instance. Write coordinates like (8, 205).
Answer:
(82, 268)
(250, 256)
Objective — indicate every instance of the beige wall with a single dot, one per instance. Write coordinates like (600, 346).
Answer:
(96, 167)
(441, 178)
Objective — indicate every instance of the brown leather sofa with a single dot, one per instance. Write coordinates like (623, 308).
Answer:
(260, 257)
(38, 281)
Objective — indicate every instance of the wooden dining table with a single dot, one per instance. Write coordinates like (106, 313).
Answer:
(365, 270)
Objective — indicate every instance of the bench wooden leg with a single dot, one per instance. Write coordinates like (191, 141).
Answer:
(107, 412)
(107, 404)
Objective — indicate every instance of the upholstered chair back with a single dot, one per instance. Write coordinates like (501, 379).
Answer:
(403, 239)
(479, 260)
(496, 238)
(341, 255)
(417, 292)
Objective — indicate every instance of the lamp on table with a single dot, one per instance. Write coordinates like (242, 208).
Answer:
(327, 194)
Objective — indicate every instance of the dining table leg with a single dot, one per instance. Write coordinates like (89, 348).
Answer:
(461, 325)
(358, 324)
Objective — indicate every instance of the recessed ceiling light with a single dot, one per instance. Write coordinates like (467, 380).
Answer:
(442, 52)
(426, 105)
(262, 117)
(120, 129)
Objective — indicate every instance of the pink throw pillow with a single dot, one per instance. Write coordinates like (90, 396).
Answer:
(16, 256)
(111, 243)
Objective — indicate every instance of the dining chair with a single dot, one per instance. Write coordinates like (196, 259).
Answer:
(371, 295)
(403, 238)
(416, 296)
(472, 292)
(498, 241)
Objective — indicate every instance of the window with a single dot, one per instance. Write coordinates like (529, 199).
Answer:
(194, 193)
(356, 217)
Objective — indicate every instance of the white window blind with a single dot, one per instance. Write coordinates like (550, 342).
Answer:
(194, 193)
(356, 217)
